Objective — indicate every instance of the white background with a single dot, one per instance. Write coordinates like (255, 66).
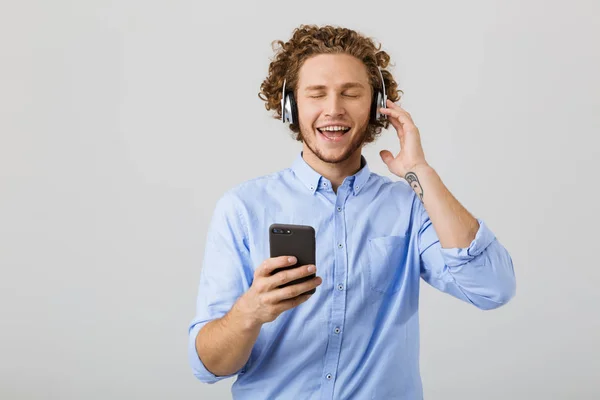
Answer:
(122, 123)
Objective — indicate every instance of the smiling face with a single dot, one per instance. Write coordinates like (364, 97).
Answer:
(334, 99)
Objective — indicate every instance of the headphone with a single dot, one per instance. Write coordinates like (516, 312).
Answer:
(289, 108)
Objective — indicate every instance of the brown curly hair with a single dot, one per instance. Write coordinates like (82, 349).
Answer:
(311, 40)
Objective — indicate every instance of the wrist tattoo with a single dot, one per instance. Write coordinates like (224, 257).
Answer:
(414, 183)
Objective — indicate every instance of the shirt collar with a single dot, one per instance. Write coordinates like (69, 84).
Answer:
(362, 176)
(311, 178)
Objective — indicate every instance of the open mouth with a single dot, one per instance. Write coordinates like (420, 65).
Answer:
(333, 134)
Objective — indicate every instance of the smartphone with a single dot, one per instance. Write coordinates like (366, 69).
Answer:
(297, 241)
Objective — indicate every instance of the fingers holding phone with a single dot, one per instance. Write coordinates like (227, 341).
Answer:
(294, 281)
(273, 290)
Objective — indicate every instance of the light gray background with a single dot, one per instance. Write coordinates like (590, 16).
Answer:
(122, 122)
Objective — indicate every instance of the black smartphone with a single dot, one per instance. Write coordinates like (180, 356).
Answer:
(297, 241)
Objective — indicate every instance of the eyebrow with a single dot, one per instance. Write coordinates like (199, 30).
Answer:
(346, 85)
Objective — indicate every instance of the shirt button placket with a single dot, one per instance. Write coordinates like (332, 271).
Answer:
(339, 296)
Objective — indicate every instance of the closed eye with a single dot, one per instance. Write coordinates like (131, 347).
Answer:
(345, 95)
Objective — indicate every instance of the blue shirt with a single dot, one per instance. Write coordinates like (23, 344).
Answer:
(357, 337)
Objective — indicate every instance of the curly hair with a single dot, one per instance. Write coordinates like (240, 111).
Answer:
(310, 40)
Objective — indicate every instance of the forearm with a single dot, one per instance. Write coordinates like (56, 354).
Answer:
(454, 225)
(224, 345)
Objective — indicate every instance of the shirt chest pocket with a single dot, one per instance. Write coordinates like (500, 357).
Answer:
(386, 259)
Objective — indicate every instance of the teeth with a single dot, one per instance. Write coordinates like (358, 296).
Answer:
(334, 128)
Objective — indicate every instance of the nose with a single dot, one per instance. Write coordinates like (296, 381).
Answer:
(334, 107)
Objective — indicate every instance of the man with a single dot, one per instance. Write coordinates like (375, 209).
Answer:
(357, 337)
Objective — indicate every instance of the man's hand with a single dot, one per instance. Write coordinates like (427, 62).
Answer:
(411, 152)
(265, 301)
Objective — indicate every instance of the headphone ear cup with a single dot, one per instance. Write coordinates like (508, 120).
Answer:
(287, 105)
(375, 104)
(293, 107)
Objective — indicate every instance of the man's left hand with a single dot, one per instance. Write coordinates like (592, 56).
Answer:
(411, 152)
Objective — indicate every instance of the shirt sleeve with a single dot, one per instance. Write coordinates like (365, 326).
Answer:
(481, 274)
(225, 275)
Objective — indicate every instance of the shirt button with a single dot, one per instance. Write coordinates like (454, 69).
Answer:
(340, 245)
(337, 330)
(325, 184)
(328, 376)
(339, 208)
(312, 188)
(340, 287)
(356, 187)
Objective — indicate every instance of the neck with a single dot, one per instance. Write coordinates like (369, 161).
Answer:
(334, 172)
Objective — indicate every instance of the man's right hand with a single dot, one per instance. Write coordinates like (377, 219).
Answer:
(265, 300)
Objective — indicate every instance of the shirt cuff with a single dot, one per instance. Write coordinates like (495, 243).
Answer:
(199, 369)
(456, 257)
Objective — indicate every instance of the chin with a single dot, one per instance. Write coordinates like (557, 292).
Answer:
(333, 156)
(333, 153)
